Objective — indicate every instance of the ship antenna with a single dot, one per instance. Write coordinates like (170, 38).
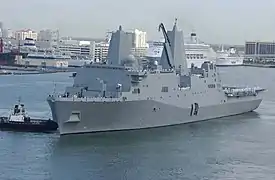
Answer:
(176, 20)
(54, 88)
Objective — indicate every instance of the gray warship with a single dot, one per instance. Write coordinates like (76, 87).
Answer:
(123, 95)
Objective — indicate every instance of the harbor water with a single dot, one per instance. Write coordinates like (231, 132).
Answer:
(239, 147)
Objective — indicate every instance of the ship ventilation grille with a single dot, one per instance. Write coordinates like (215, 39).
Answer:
(75, 117)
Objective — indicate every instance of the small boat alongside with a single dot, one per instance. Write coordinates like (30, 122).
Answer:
(18, 120)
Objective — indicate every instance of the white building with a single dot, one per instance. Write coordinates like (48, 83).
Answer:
(77, 48)
(23, 34)
(140, 39)
(101, 51)
(139, 42)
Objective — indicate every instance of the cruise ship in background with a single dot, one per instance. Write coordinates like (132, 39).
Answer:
(196, 51)
(229, 57)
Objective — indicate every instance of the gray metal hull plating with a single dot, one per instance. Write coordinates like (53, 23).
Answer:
(128, 115)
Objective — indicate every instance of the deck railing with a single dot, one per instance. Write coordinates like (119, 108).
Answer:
(241, 92)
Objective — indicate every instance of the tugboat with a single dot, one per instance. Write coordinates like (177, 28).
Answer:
(18, 120)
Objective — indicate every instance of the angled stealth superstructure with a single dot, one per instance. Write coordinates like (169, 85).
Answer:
(174, 49)
(120, 47)
(177, 48)
(116, 96)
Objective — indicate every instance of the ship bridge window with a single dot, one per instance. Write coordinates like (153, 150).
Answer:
(136, 91)
(164, 89)
(211, 85)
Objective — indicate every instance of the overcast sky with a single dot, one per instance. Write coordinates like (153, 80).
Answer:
(215, 21)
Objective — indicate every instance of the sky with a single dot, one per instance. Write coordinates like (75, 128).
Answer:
(215, 21)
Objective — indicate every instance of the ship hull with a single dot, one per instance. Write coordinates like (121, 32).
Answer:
(32, 126)
(129, 115)
(229, 62)
(42, 57)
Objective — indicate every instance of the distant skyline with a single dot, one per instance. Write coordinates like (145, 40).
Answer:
(215, 21)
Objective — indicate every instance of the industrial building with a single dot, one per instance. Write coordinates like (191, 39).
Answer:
(260, 51)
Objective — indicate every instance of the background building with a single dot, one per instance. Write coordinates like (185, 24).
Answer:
(48, 38)
(140, 39)
(48, 35)
(27, 33)
(139, 42)
(260, 51)
(77, 48)
(101, 51)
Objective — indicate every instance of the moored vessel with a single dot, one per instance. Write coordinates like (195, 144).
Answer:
(229, 58)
